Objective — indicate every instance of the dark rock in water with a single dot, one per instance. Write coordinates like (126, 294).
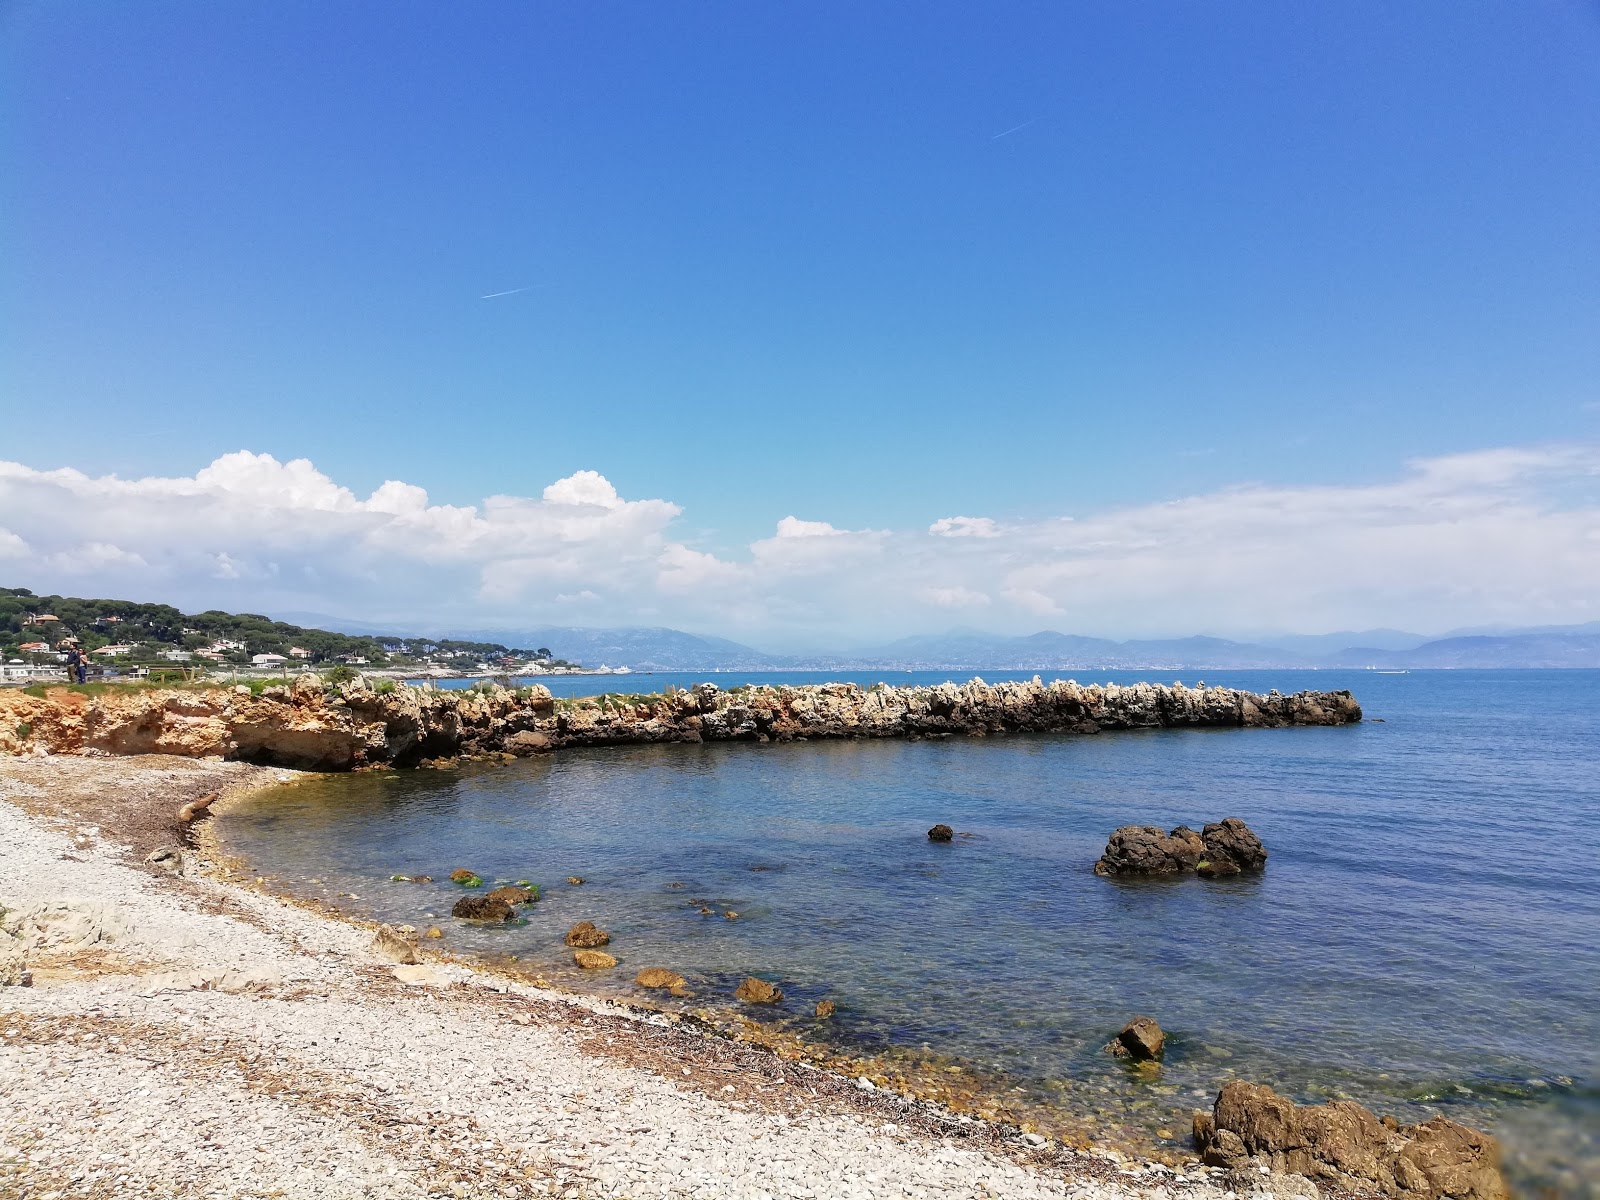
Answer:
(1231, 840)
(466, 878)
(482, 908)
(658, 977)
(1223, 848)
(1141, 1039)
(941, 833)
(1343, 1144)
(513, 895)
(1150, 850)
(585, 935)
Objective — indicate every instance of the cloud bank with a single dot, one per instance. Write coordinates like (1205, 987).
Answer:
(1503, 535)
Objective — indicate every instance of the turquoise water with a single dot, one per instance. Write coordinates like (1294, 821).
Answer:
(1424, 937)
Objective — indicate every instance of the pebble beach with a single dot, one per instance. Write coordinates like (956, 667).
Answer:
(187, 1035)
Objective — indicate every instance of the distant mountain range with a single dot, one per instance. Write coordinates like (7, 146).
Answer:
(655, 649)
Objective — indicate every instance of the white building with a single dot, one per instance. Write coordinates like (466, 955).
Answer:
(116, 651)
(176, 655)
(268, 660)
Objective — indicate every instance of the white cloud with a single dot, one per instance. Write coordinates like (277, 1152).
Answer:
(979, 527)
(1509, 534)
(955, 597)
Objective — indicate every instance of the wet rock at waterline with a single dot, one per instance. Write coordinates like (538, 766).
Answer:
(593, 960)
(482, 908)
(586, 935)
(1343, 1144)
(941, 833)
(757, 991)
(575, 880)
(825, 1009)
(1224, 847)
(1141, 1039)
(466, 878)
(397, 943)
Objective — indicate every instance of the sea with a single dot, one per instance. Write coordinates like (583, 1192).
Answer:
(1425, 937)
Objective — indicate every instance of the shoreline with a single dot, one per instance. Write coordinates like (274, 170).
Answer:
(187, 927)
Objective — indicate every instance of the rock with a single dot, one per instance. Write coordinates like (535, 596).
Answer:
(13, 960)
(941, 833)
(658, 977)
(1149, 850)
(575, 880)
(1230, 842)
(825, 1009)
(528, 742)
(66, 924)
(197, 807)
(513, 895)
(1342, 1144)
(1224, 847)
(466, 878)
(586, 935)
(417, 976)
(168, 859)
(482, 908)
(434, 932)
(730, 915)
(593, 960)
(1250, 1181)
(397, 943)
(757, 991)
(1141, 1039)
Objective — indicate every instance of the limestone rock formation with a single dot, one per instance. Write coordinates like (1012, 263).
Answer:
(1342, 1144)
(482, 908)
(1141, 1039)
(314, 726)
(941, 833)
(1224, 847)
(593, 960)
(397, 943)
(757, 991)
(586, 935)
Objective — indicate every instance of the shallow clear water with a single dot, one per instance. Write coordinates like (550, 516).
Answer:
(1424, 937)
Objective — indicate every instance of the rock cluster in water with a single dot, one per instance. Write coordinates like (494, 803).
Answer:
(310, 725)
(1343, 1144)
(1224, 847)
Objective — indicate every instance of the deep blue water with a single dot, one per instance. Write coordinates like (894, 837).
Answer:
(1426, 936)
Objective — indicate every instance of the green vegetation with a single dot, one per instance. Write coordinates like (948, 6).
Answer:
(159, 636)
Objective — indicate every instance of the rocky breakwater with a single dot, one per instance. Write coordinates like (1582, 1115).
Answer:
(324, 727)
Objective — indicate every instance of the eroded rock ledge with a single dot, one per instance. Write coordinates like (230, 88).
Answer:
(311, 726)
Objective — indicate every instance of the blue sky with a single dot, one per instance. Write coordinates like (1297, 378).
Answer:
(864, 265)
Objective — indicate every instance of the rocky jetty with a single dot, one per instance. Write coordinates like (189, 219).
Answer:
(324, 727)
(1225, 847)
(1343, 1144)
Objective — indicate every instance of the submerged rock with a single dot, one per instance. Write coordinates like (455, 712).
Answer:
(825, 1009)
(757, 991)
(941, 833)
(658, 977)
(575, 880)
(466, 878)
(1343, 1144)
(593, 960)
(587, 935)
(1223, 848)
(1141, 1039)
(482, 908)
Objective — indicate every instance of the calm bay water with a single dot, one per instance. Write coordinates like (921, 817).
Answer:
(1426, 936)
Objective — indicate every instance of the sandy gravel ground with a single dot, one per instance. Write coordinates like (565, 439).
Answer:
(189, 1037)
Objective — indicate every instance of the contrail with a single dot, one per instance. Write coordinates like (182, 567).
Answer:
(497, 295)
(1014, 128)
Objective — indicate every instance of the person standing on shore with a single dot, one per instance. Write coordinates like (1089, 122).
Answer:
(77, 668)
